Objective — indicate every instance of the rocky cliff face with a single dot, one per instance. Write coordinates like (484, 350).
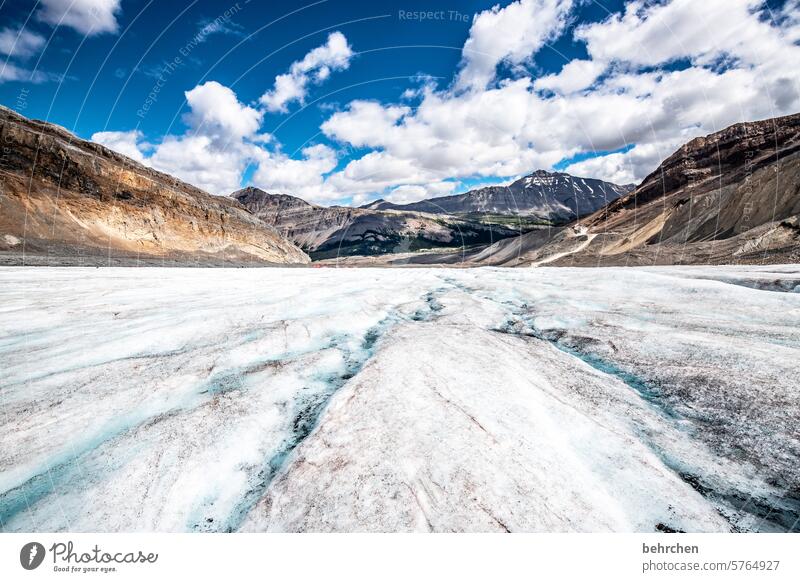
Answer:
(335, 231)
(554, 197)
(76, 201)
(715, 186)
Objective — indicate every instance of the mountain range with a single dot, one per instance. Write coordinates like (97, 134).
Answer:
(334, 231)
(554, 197)
(730, 197)
(476, 217)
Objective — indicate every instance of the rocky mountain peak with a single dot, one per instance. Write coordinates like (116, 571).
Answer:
(544, 173)
(256, 199)
(553, 197)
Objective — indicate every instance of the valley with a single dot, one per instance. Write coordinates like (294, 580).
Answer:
(732, 197)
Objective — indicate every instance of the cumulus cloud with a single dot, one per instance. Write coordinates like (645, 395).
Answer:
(129, 143)
(644, 88)
(197, 159)
(88, 17)
(652, 34)
(217, 113)
(20, 43)
(219, 145)
(624, 168)
(315, 67)
(302, 177)
(364, 123)
(408, 193)
(511, 34)
(477, 133)
(574, 76)
(221, 140)
(445, 132)
(376, 171)
(620, 96)
(738, 50)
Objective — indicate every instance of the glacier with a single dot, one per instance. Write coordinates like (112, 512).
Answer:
(407, 399)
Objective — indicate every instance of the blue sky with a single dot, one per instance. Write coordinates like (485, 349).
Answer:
(343, 102)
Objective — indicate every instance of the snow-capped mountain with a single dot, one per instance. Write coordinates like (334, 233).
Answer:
(553, 196)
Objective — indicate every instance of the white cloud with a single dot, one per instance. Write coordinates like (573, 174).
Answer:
(574, 76)
(199, 161)
(222, 139)
(365, 123)
(217, 112)
(191, 157)
(448, 136)
(129, 143)
(287, 88)
(88, 17)
(377, 171)
(220, 25)
(620, 96)
(220, 144)
(624, 168)
(679, 105)
(11, 72)
(790, 20)
(415, 192)
(315, 67)
(658, 33)
(299, 177)
(520, 125)
(20, 43)
(511, 34)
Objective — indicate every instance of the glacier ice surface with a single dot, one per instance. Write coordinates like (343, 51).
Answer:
(548, 399)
